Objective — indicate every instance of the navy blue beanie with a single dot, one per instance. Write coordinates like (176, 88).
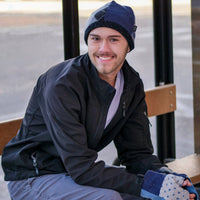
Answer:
(115, 16)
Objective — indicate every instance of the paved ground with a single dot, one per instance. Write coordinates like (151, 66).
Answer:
(32, 41)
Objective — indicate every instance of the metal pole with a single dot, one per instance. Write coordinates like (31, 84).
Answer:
(70, 28)
(163, 51)
(195, 10)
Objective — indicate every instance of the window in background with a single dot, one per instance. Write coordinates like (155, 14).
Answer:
(31, 41)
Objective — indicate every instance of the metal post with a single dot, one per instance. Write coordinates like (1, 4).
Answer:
(195, 8)
(70, 28)
(163, 48)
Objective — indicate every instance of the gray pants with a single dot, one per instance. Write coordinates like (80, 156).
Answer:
(57, 187)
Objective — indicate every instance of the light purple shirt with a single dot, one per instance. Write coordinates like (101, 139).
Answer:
(119, 85)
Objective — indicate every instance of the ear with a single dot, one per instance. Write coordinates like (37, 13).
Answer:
(128, 49)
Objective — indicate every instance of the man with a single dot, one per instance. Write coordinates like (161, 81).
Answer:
(77, 108)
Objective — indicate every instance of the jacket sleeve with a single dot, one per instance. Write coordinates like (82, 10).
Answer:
(134, 145)
(62, 109)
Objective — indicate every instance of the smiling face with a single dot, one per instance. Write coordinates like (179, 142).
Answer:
(107, 49)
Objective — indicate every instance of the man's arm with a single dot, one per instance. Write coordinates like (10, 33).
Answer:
(134, 141)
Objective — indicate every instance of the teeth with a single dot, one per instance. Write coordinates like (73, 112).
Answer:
(105, 58)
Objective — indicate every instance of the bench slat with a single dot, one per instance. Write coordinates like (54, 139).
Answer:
(8, 130)
(161, 100)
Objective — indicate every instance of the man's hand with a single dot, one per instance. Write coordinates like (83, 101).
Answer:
(168, 186)
(188, 183)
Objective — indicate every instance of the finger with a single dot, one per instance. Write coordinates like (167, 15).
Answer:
(186, 183)
(192, 196)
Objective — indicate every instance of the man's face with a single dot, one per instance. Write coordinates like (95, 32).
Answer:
(107, 49)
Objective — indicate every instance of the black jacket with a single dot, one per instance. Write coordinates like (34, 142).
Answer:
(63, 129)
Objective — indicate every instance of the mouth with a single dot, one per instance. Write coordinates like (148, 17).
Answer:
(105, 58)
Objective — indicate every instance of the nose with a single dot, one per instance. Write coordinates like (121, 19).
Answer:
(104, 46)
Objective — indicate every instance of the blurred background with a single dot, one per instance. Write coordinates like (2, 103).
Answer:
(31, 41)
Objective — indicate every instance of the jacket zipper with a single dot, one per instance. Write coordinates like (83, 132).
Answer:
(33, 156)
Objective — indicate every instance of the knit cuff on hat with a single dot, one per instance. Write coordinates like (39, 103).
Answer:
(159, 186)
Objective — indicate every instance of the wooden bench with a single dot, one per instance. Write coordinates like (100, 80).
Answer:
(160, 100)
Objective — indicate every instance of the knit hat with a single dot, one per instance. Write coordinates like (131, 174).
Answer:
(115, 16)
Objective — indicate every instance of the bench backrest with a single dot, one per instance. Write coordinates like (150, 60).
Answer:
(160, 100)
(8, 130)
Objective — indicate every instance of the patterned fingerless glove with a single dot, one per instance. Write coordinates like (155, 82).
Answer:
(160, 186)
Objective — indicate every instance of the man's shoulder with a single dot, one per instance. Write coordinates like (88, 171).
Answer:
(131, 69)
(73, 63)
(131, 75)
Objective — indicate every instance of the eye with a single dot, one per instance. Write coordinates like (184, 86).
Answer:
(113, 39)
(94, 38)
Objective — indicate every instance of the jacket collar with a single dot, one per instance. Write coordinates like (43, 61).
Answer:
(102, 88)
(131, 79)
